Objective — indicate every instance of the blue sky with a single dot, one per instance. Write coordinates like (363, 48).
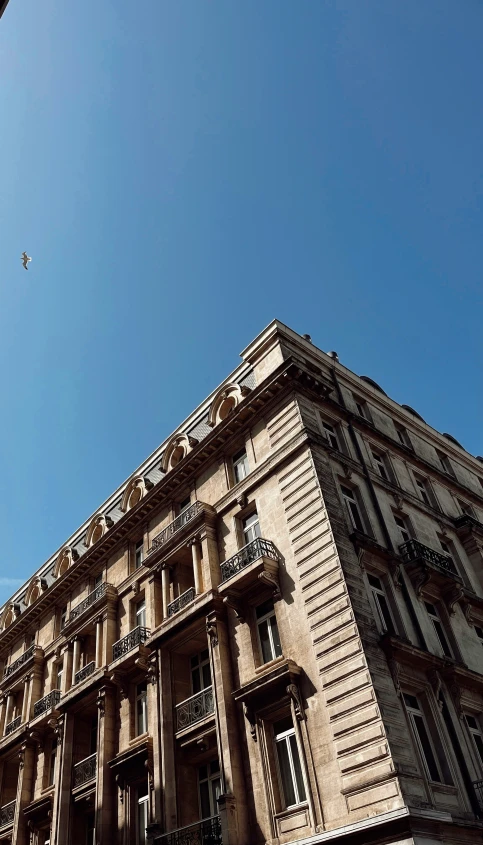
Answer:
(184, 172)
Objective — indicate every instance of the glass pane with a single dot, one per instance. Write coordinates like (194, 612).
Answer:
(195, 681)
(427, 750)
(282, 726)
(442, 638)
(388, 624)
(265, 641)
(142, 822)
(205, 800)
(286, 773)
(411, 701)
(215, 794)
(206, 676)
(356, 517)
(204, 655)
(479, 745)
(264, 608)
(275, 637)
(297, 768)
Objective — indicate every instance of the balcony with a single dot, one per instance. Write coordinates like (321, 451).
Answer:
(7, 814)
(185, 598)
(248, 554)
(85, 770)
(478, 787)
(20, 661)
(47, 702)
(255, 565)
(84, 673)
(91, 599)
(12, 726)
(135, 638)
(415, 552)
(176, 525)
(206, 832)
(194, 709)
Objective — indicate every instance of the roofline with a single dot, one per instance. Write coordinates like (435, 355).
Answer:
(3, 6)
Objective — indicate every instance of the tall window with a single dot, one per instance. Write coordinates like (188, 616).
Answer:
(476, 735)
(93, 736)
(139, 553)
(141, 614)
(445, 463)
(240, 465)
(403, 436)
(424, 490)
(200, 671)
(352, 506)
(184, 505)
(141, 708)
(59, 673)
(447, 548)
(423, 738)
(439, 629)
(384, 617)
(479, 633)
(63, 617)
(465, 508)
(292, 782)
(209, 785)
(53, 755)
(404, 528)
(251, 528)
(380, 464)
(268, 631)
(90, 829)
(331, 435)
(98, 580)
(142, 814)
(363, 409)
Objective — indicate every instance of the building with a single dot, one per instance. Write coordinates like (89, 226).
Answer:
(3, 6)
(272, 633)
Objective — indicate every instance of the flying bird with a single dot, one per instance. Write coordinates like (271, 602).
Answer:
(25, 259)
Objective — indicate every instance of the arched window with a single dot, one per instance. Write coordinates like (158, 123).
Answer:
(134, 492)
(225, 403)
(98, 527)
(34, 590)
(176, 450)
(64, 561)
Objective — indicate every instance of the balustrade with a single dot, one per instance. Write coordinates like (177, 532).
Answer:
(252, 551)
(206, 832)
(47, 702)
(85, 770)
(174, 526)
(24, 658)
(134, 638)
(478, 787)
(84, 673)
(88, 601)
(12, 726)
(195, 708)
(182, 600)
(7, 813)
(413, 551)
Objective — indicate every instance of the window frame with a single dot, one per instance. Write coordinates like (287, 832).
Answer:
(240, 459)
(141, 699)
(139, 607)
(376, 592)
(425, 491)
(211, 778)
(278, 739)
(245, 528)
(266, 617)
(142, 801)
(199, 670)
(138, 554)
(381, 460)
(437, 620)
(356, 500)
(52, 762)
(477, 748)
(331, 430)
(403, 437)
(406, 527)
(419, 712)
(445, 464)
(363, 410)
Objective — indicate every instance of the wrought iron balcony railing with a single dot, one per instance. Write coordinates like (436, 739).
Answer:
(252, 551)
(478, 787)
(47, 702)
(84, 673)
(413, 551)
(134, 638)
(174, 526)
(12, 726)
(24, 658)
(7, 813)
(85, 770)
(206, 832)
(182, 600)
(88, 601)
(195, 708)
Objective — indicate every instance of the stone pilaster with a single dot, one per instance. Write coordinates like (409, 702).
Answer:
(61, 813)
(210, 564)
(168, 770)
(105, 751)
(20, 833)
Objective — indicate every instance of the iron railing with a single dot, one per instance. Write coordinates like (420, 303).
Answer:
(7, 813)
(12, 726)
(206, 832)
(413, 550)
(134, 638)
(252, 551)
(182, 600)
(47, 702)
(88, 601)
(195, 708)
(85, 770)
(84, 673)
(174, 526)
(478, 787)
(27, 655)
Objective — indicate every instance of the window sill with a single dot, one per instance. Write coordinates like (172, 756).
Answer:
(271, 664)
(288, 811)
(139, 739)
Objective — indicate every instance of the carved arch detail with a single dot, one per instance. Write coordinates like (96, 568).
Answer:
(177, 449)
(225, 402)
(65, 559)
(9, 615)
(35, 590)
(134, 492)
(98, 527)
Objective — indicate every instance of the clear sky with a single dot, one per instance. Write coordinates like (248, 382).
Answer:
(183, 172)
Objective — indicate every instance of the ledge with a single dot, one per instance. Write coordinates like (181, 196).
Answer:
(267, 684)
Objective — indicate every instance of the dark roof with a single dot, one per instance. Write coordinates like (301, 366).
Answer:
(3, 6)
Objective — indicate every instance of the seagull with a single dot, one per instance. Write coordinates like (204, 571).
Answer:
(25, 259)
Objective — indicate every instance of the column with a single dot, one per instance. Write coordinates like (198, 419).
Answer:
(9, 708)
(210, 558)
(99, 638)
(154, 723)
(20, 833)
(63, 781)
(26, 699)
(110, 633)
(154, 601)
(106, 749)
(76, 660)
(168, 769)
(35, 691)
(67, 673)
(165, 588)
(3, 713)
(231, 766)
(196, 554)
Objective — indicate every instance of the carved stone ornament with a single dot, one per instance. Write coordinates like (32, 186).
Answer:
(242, 500)
(37, 737)
(271, 581)
(468, 612)
(456, 693)
(398, 501)
(120, 785)
(235, 605)
(347, 472)
(395, 670)
(119, 680)
(422, 580)
(250, 717)
(212, 632)
(397, 577)
(101, 703)
(149, 766)
(21, 755)
(294, 693)
(57, 725)
(452, 598)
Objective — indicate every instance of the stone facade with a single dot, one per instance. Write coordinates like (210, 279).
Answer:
(272, 633)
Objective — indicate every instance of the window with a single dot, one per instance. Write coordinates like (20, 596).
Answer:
(438, 628)
(420, 730)
(380, 462)
(240, 465)
(476, 735)
(98, 580)
(383, 614)
(290, 770)
(363, 409)
(90, 829)
(140, 614)
(424, 490)
(200, 671)
(479, 633)
(59, 673)
(142, 814)
(141, 708)
(465, 508)
(209, 785)
(139, 553)
(63, 617)
(184, 505)
(445, 463)
(268, 631)
(53, 755)
(251, 528)
(331, 435)
(447, 548)
(403, 436)
(402, 523)
(353, 509)
(93, 737)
